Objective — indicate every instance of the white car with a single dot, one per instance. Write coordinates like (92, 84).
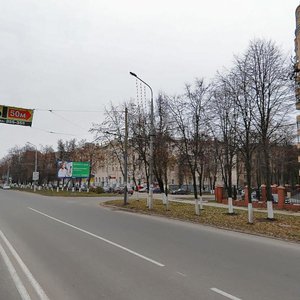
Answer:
(6, 186)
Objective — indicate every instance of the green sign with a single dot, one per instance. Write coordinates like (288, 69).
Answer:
(73, 169)
(81, 169)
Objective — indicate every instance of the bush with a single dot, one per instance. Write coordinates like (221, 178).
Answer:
(97, 190)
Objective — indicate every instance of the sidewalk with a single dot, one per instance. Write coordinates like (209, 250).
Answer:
(214, 204)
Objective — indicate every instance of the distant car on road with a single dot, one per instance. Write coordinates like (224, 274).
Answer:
(180, 192)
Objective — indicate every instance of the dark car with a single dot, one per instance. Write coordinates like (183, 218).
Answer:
(120, 190)
(156, 190)
(180, 192)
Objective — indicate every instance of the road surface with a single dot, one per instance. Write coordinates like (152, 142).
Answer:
(72, 248)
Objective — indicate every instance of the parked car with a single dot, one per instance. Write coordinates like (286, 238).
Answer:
(120, 190)
(143, 190)
(6, 186)
(180, 192)
(107, 189)
(156, 190)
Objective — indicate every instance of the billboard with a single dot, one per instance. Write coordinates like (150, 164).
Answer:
(73, 169)
(16, 115)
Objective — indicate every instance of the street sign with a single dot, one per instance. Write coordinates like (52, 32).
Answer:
(16, 115)
(35, 176)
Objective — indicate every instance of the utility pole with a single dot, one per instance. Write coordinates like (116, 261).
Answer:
(126, 157)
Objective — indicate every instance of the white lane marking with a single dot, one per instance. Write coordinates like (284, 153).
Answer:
(182, 274)
(26, 271)
(100, 238)
(229, 296)
(17, 281)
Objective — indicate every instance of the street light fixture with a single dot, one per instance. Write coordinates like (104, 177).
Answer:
(151, 141)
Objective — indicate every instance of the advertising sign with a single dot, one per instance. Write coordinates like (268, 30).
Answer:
(16, 115)
(73, 169)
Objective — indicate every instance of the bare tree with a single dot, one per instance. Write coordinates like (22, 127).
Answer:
(269, 86)
(188, 112)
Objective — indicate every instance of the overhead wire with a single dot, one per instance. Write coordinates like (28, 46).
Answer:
(67, 120)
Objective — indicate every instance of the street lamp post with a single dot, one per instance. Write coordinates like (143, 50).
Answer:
(35, 164)
(151, 141)
(126, 158)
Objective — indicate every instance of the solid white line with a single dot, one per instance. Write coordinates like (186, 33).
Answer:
(100, 238)
(229, 296)
(26, 271)
(17, 281)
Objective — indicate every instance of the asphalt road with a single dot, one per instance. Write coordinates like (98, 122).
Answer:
(72, 248)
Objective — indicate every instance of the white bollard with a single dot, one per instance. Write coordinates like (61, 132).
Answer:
(270, 210)
(197, 207)
(250, 213)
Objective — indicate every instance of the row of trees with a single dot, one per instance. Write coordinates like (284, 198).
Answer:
(20, 162)
(241, 119)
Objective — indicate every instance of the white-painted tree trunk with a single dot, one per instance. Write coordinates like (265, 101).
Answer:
(201, 202)
(164, 198)
(57, 189)
(197, 211)
(73, 189)
(250, 213)
(230, 205)
(167, 202)
(270, 210)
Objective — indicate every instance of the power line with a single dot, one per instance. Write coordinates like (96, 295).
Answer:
(53, 132)
(71, 122)
(69, 110)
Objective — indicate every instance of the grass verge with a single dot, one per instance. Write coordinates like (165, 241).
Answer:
(65, 193)
(285, 227)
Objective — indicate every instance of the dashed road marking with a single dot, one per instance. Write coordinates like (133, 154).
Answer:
(229, 296)
(101, 238)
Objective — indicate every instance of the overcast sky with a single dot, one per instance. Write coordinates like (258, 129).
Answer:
(77, 54)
